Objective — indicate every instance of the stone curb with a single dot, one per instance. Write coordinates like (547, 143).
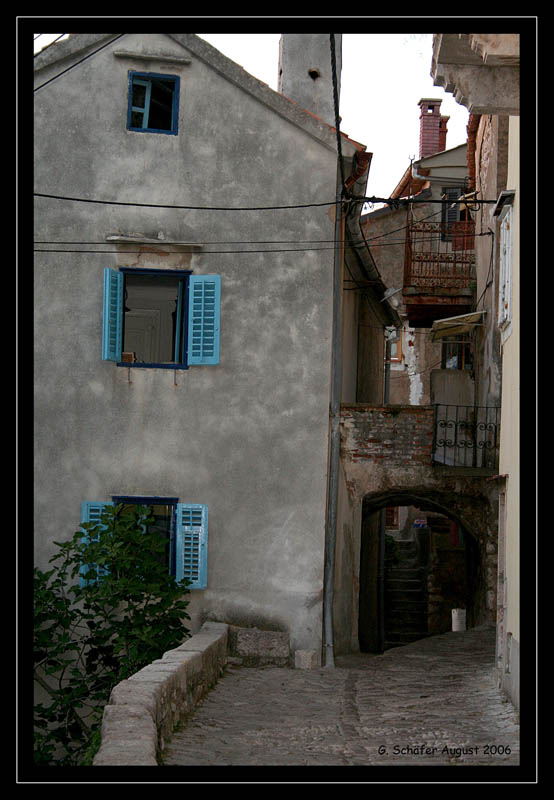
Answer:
(144, 709)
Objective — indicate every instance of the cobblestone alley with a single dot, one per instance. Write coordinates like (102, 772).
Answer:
(431, 703)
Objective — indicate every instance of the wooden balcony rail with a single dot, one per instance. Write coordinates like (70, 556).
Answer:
(440, 255)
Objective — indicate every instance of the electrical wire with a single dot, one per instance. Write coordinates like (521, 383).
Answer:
(208, 252)
(204, 252)
(349, 246)
(411, 374)
(391, 202)
(214, 241)
(228, 208)
(72, 66)
(184, 208)
(402, 228)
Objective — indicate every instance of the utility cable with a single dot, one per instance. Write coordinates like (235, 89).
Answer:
(411, 374)
(46, 46)
(207, 252)
(239, 208)
(72, 66)
(184, 208)
(402, 228)
(359, 245)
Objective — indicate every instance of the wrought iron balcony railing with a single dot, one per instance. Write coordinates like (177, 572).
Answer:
(466, 436)
(440, 255)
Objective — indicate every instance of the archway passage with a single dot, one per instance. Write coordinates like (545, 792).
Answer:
(421, 556)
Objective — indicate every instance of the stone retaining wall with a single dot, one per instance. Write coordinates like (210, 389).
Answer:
(143, 710)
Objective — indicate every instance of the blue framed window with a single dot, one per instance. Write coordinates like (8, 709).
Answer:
(161, 318)
(183, 526)
(153, 103)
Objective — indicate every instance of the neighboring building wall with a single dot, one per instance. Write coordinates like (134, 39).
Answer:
(248, 437)
(483, 71)
(415, 355)
(490, 169)
(510, 452)
(371, 353)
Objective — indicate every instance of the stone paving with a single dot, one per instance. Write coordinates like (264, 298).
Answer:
(433, 702)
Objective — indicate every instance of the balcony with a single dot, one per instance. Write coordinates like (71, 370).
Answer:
(407, 440)
(439, 271)
(466, 436)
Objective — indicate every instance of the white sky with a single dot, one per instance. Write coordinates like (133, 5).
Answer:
(383, 77)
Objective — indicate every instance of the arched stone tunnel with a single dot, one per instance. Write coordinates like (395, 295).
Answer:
(431, 574)
(394, 468)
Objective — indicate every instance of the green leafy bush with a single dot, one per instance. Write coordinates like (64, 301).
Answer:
(107, 608)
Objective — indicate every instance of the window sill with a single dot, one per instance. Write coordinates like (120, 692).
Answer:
(144, 365)
(129, 239)
(153, 130)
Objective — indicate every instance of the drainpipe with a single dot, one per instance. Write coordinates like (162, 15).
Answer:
(383, 521)
(334, 451)
(386, 397)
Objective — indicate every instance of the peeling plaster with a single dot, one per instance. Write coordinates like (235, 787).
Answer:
(411, 360)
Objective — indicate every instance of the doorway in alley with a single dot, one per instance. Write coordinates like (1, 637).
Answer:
(417, 563)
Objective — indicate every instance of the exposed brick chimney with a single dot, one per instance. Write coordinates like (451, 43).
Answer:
(432, 127)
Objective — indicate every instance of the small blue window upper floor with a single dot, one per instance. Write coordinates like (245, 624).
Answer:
(153, 105)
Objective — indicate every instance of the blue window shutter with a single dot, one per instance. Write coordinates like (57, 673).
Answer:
(112, 330)
(90, 512)
(191, 540)
(203, 322)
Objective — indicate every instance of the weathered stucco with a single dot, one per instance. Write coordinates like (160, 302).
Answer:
(248, 437)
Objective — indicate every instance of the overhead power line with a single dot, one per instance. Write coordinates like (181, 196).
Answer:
(361, 200)
(353, 246)
(72, 66)
(184, 208)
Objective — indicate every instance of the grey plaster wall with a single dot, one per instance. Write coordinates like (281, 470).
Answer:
(248, 437)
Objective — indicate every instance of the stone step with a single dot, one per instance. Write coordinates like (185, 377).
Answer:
(406, 615)
(403, 584)
(400, 619)
(409, 573)
(404, 550)
(405, 595)
(407, 605)
(405, 544)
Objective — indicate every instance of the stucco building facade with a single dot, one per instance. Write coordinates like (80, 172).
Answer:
(210, 323)
(148, 143)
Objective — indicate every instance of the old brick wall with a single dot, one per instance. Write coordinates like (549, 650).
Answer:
(397, 435)
(386, 460)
